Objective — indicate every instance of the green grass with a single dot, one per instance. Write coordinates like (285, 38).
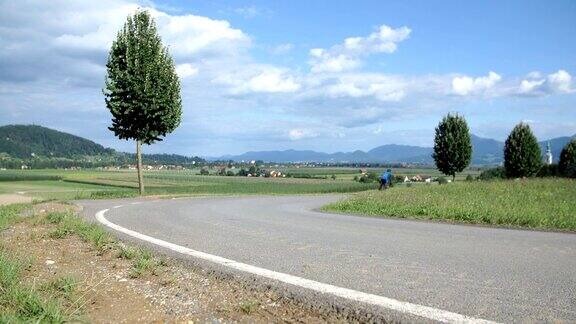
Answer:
(126, 252)
(94, 184)
(21, 303)
(97, 184)
(11, 214)
(24, 303)
(144, 263)
(248, 306)
(143, 260)
(68, 224)
(533, 203)
(61, 287)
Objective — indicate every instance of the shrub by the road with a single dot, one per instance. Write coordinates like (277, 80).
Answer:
(492, 174)
(370, 177)
(548, 171)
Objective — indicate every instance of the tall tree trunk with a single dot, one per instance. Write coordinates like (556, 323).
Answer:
(139, 166)
(454, 177)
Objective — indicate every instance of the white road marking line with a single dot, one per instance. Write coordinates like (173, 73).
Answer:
(118, 206)
(381, 301)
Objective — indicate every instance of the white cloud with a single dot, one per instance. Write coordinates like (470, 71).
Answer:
(266, 79)
(52, 40)
(347, 56)
(381, 87)
(529, 86)
(323, 61)
(272, 81)
(466, 85)
(560, 81)
(186, 70)
(535, 84)
(384, 40)
(298, 134)
(190, 35)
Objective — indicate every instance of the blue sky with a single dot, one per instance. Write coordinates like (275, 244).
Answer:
(323, 75)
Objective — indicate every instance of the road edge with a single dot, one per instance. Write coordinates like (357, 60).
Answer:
(390, 304)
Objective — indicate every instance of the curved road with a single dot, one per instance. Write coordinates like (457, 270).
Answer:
(487, 273)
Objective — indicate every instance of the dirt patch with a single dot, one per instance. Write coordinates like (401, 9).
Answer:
(7, 199)
(107, 293)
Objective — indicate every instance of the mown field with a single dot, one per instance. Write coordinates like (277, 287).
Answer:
(63, 184)
(532, 203)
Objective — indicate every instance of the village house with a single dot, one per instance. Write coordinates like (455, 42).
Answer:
(421, 178)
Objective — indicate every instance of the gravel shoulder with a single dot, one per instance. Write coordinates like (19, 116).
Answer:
(176, 292)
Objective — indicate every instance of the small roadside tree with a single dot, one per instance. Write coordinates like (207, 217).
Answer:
(452, 145)
(142, 89)
(522, 156)
(567, 162)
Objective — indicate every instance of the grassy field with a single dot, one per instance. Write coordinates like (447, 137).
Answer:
(348, 173)
(44, 184)
(533, 203)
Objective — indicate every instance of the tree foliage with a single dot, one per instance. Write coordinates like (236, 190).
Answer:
(567, 162)
(522, 156)
(452, 145)
(142, 88)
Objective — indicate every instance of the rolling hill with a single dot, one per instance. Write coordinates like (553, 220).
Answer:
(24, 141)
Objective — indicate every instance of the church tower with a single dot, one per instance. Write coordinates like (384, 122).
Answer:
(548, 156)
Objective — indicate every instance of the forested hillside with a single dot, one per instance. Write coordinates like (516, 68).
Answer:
(24, 141)
(40, 147)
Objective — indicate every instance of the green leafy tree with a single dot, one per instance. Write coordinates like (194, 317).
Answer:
(522, 156)
(242, 173)
(452, 145)
(142, 88)
(567, 162)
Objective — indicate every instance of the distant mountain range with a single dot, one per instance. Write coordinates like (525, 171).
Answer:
(28, 142)
(486, 151)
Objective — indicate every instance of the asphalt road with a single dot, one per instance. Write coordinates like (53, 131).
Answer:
(495, 274)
